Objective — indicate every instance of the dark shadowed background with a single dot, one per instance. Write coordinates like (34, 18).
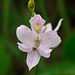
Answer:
(13, 13)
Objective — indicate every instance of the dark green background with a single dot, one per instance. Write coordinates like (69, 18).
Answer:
(13, 13)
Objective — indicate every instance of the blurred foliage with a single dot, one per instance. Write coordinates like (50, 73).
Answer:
(14, 13)
(60, 68)
(5, 62)
(69, 47)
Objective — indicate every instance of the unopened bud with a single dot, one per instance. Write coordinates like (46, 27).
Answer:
(31, 6)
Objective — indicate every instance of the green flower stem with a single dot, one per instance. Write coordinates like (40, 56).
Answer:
(36, 70)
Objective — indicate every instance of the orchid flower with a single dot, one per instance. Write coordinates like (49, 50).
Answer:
(38, 42)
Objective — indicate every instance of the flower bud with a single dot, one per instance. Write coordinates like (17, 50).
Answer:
(31, 6)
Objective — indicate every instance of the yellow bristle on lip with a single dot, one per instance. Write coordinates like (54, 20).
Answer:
(37, 27)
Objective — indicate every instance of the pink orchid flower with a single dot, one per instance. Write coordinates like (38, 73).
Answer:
(38, 42)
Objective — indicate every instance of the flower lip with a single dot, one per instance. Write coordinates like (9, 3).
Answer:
(36, 23)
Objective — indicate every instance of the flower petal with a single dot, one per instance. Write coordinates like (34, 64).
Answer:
(44, 52)
(33, 58)
(47, 28)
(50, 39)
(58, 25)
(24, 34)
(37, 19)
(25, 47)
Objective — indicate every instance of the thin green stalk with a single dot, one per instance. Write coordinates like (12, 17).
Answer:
(36, 70)
(63, 13)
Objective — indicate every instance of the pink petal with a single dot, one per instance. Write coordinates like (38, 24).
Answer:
(25, 47)
(32, 59)
(50, 39)
(37, 19)
(24, 34)
(44, 52)
(47, 28)
(58, 25)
